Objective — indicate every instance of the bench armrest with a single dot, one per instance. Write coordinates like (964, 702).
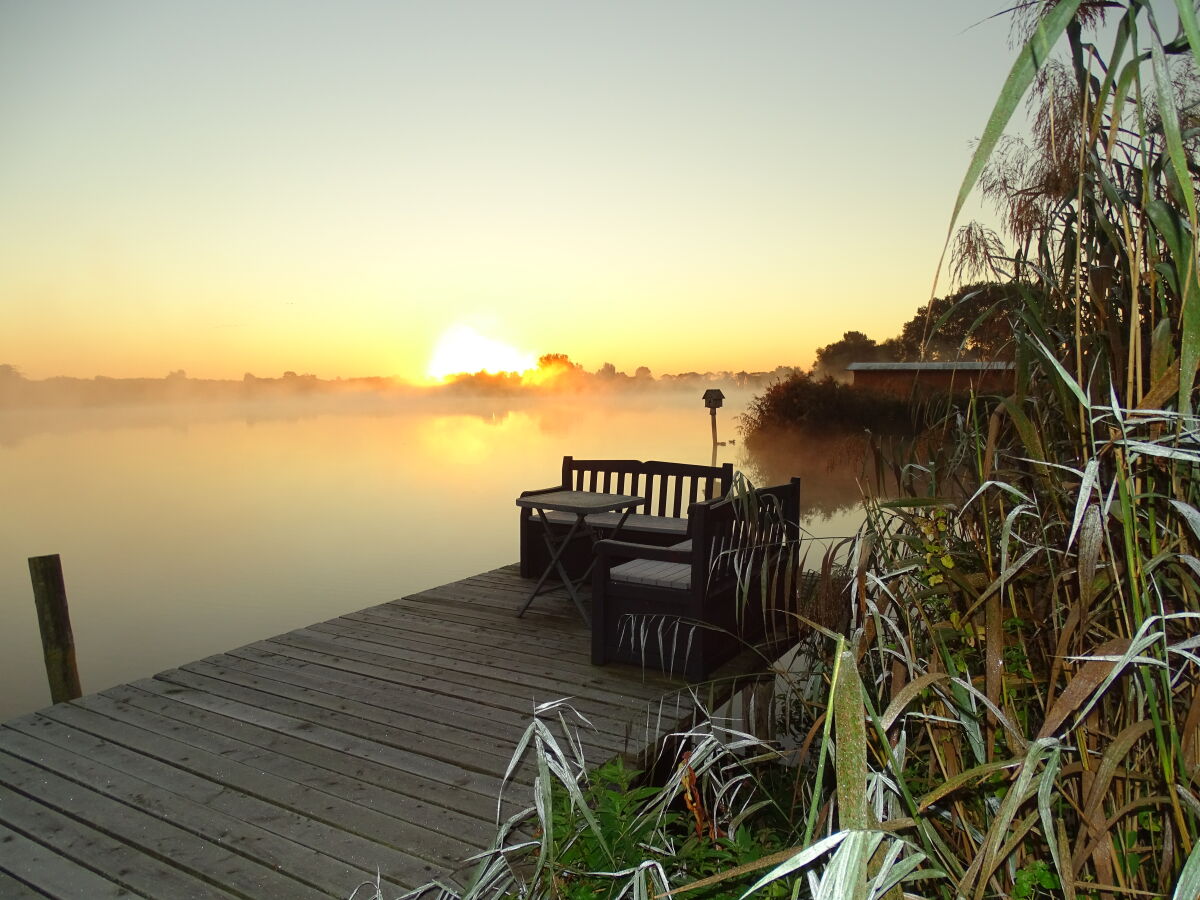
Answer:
(628, 550)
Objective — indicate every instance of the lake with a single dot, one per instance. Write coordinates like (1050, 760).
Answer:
(190, 530)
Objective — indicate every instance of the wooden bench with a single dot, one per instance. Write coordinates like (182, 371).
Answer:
(687, 608)
(669, 488)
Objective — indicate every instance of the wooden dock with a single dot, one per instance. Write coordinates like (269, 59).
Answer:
(301, 765)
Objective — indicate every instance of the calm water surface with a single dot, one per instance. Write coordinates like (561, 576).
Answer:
(190, 531)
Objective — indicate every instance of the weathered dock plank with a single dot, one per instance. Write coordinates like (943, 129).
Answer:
(349, 736)
(294, 812)
(495, 647)
(206, 809)
(479, 667)
(199, 852)
(359, 797)
(342, 685)
(443, 740)
(56, 874)
(480, 690)
(300, 765)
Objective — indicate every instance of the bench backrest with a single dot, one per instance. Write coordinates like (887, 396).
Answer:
(734, 536)
(669, 488)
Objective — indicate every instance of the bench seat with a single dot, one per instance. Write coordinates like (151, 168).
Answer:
(654, 573)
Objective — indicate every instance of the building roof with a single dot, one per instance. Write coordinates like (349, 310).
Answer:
(962, 366)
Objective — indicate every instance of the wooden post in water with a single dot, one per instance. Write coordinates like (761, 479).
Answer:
(54, 621)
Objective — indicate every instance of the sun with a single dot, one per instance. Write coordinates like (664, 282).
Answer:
(461, 349)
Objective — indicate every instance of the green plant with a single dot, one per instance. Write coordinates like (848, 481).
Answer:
(620, 839)
(1033, 879)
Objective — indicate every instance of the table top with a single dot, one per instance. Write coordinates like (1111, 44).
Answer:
(580, 502)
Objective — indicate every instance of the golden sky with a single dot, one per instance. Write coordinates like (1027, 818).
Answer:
(221, 186)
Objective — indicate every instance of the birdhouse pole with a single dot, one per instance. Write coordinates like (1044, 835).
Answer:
(713, 398)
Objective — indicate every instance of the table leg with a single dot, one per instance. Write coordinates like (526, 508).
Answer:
(556, 564)
(596, 536)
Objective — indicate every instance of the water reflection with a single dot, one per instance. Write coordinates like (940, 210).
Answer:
(838, 470)
(836, 467)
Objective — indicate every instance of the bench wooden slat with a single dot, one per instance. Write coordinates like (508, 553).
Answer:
(677, 576)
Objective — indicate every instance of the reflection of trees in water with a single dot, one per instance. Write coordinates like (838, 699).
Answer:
(836, 467)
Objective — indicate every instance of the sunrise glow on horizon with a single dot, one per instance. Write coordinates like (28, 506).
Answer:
(462, 350)
(227, 188)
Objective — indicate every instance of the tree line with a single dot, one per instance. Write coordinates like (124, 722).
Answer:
(969, 324)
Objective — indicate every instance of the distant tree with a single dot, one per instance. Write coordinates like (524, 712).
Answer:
(643, 373)
(556, 371)
(484, 382)
(553, 361)
(10, 373)
(832, 359)
(971, 323)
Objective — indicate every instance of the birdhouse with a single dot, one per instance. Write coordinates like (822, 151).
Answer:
(713, 398)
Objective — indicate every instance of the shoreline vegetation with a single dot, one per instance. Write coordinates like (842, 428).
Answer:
(555, 375)
(1013, 710)
(827, 406)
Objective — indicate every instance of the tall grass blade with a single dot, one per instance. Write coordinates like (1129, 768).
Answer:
(906, 695)
(1179, 238)
(1064, 377)
(950, 785)
(1093, 813)
(1169, 116)
(1189, 514)
(1187, 21)
(1047, 786)
(1188, 886)
(798, 860)
(1082, 686)
(1091, 473)
(850, 762)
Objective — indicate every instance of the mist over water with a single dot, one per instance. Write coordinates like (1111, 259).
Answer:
(190, 529)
